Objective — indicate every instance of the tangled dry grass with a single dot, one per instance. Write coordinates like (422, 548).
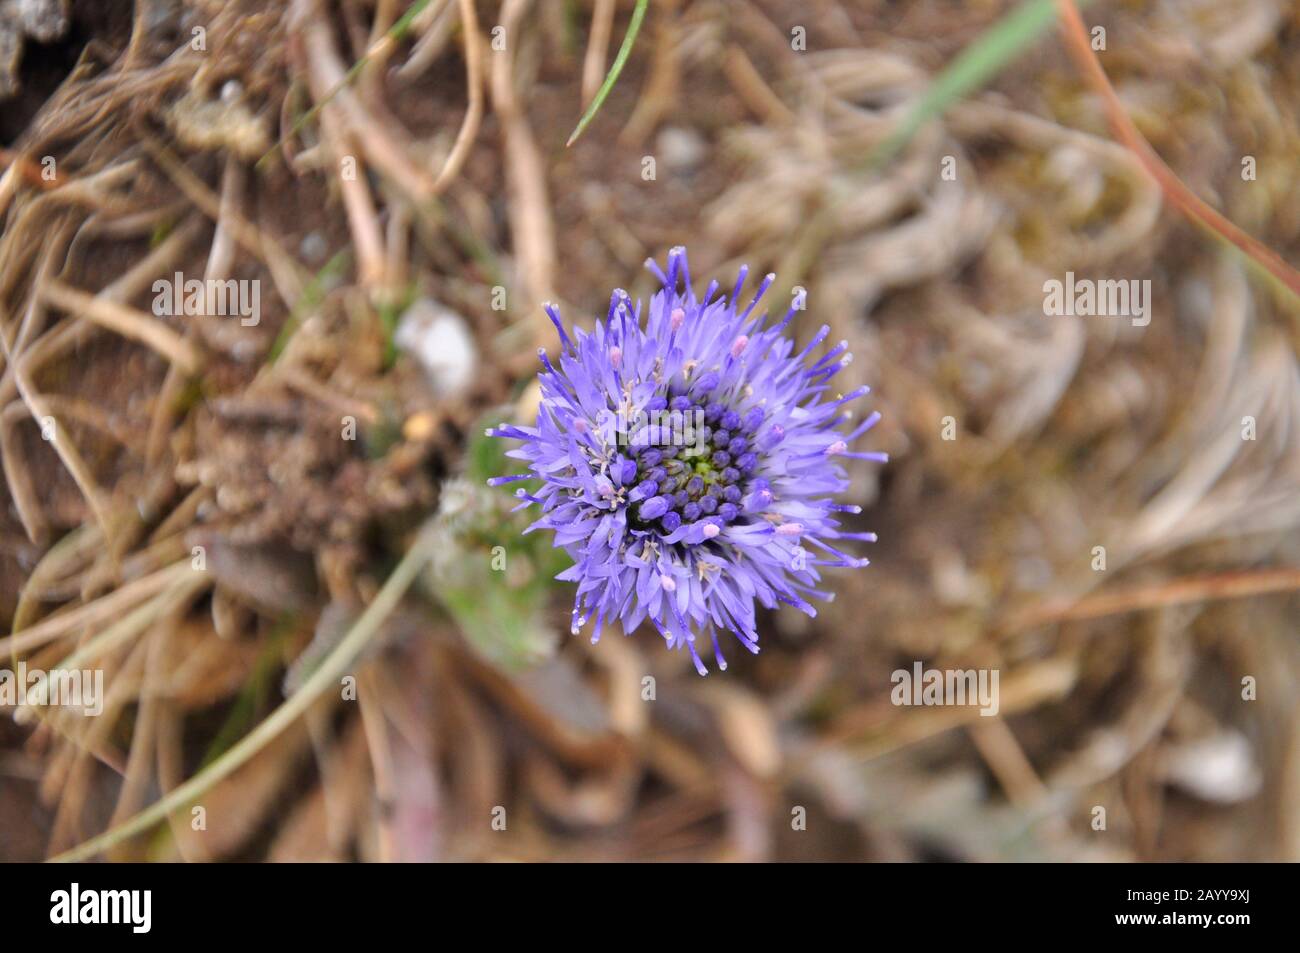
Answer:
(1120, 688)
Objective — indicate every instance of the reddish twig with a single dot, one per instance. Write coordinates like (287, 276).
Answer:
(1230, 585)
(1187, 202)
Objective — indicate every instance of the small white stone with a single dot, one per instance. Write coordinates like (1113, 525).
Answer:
(680, 148)
(1220, 768)
(441, 341)
(313, 247)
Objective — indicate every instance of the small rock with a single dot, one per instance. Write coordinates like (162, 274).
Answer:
(313, 248)
(441, 341)
(44, 20)
(1220, 768)
(419, 427)
(681, 149)
(41, 21)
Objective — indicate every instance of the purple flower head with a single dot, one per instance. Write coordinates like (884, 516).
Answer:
(688, 460)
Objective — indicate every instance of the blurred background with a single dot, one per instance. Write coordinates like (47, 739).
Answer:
(201, 506)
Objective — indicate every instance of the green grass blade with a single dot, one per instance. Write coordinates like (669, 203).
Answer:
(311, 297)
(974, 66)
(611, 77)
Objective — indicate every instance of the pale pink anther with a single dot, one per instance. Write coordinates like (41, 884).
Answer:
(711, 530)
(677, 318)
(738, 346)
(789, 529)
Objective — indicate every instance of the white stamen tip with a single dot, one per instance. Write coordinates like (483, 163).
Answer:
(677, 318)
(738, 346)
(789, 529)
(711, 530)
(669, 583)
(839, 446)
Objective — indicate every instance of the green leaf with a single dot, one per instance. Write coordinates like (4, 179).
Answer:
(491, 577)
